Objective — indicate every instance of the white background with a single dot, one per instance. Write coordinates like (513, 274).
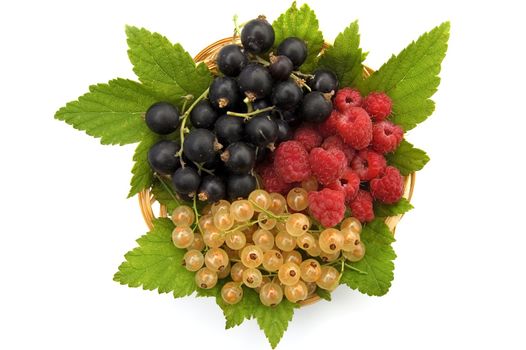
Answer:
(66, 222)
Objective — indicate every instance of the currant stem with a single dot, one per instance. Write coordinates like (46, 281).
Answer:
(249, 114)
(248, 224)
(185, 118)
(270, 214)
(196, 212)
(361, 272)
(166, 187)
(200, 168)
(249, 104)
(237, 29)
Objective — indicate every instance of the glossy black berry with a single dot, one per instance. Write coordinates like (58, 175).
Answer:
(230, 60)
(262, 154)
(162, 157)
(240, 186)
(324, 80)
(261, 104)
(162, 118)
(229, 129)
(214, 163)
(200, 145)
(186, 180)
(257, 35)
(284, 130)
(261, 130)
(203, 115)
(239, 158)
(212, 189)
(255, 81)
(286, 95)
(224, 92)
(280, 67)
(316, 107)
(295, 49)
(292, 116)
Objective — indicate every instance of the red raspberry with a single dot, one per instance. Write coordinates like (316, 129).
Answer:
(291, 162)
(388, 188)
(362, 206)
(328, 127)
(327, 206)
(386, 136)
(355, 128)
(349, 184)
(347, 98)
(307, 135)
(271, 181)
(368, 164)
(336, 142)
(378, 105)
(327, 165)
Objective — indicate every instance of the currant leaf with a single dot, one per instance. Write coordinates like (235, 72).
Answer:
(301, 23)
(411, 77)
(156, 264)
(377, 262)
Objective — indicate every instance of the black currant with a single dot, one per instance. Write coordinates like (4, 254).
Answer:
(261, 154)
(284, 130)
(162, 157)
(230, 60)
(162, 118)
(316, 107)
(261, 104)
(240, 186)
(212, 189)
(255, 81)
(295, 49)
(286, 95)
(186, 181)
(214, 163)
(224, 92)
(229, 129)
(239, 157)
(200, 145)
(261, 130)
(203, 115)
(292, 117)
(324, 80)
(280, 67)
(257, 35)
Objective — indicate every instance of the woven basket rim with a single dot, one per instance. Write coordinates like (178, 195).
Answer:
(207, 56)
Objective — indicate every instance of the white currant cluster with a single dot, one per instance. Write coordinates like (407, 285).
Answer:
(266, 243)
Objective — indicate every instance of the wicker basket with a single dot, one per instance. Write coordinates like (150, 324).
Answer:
(207, 55)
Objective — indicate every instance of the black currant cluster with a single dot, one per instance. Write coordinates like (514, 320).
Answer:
(248, 109)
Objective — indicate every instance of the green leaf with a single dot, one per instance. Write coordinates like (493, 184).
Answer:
(324, 294)
(156, 263)
(165, 196)
(274, 321)
(407, 158)
(165, 68)
(377, 262)
(142, 173)
(301, 23)
(112, 112)
(385, 210)
(345, 57)
(411, 78)
(244, 310)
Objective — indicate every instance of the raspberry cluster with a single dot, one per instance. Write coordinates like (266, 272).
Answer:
(340, 161)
